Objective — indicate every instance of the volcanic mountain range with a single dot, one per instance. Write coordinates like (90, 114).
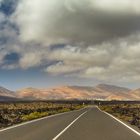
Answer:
(101, 91)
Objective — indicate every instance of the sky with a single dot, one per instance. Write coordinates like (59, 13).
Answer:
(48, 43)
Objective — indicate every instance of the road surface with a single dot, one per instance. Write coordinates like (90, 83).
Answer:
(86, 124)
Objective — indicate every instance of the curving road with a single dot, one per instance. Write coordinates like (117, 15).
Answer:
(86, 124)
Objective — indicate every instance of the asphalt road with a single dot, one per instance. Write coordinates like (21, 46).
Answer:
(86, 124)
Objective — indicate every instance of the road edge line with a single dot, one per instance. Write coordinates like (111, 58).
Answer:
(36, 120)
(135, 131)
(56, 137)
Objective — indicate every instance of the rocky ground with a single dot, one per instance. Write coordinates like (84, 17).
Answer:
(125, 112)
(14, 113)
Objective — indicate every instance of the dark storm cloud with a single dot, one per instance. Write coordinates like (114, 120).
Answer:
(70, 21)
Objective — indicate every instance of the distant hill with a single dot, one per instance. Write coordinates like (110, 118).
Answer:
(6, 92)
(135, 93)
(7, 99)
(102, 91)
(7, 95)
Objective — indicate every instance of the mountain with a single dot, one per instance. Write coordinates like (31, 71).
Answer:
(109, 92)
(114, 92)
(6, 92)
(112, 88)
(135, 93)
(7, 95)
(102, 91)
(64, 92)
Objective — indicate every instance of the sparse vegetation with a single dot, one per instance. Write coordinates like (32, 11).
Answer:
(14, 113)
(126, 112)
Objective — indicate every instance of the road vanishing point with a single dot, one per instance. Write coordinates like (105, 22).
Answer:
(86, 124)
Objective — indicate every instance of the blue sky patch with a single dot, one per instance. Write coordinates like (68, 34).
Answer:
(8, 6)
(12, 58)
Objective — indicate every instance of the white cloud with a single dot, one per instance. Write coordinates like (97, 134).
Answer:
(61, 68)
(119, 6)
(29, 60)
(83, 57)
(115, 61)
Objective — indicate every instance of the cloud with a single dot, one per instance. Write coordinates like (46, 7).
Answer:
(80, 56)
(117, 60)
(1, 1)
(72, 21)
(101, 38)
(8, 39)
(61, 68)
(118, 7)
(29, 60)
(2, 17)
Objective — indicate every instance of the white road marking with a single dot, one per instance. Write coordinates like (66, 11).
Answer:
(25, 123)
(55, 138)
(136, 132)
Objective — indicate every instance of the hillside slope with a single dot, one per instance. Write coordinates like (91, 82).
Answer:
(102, 91)
(7, 95)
